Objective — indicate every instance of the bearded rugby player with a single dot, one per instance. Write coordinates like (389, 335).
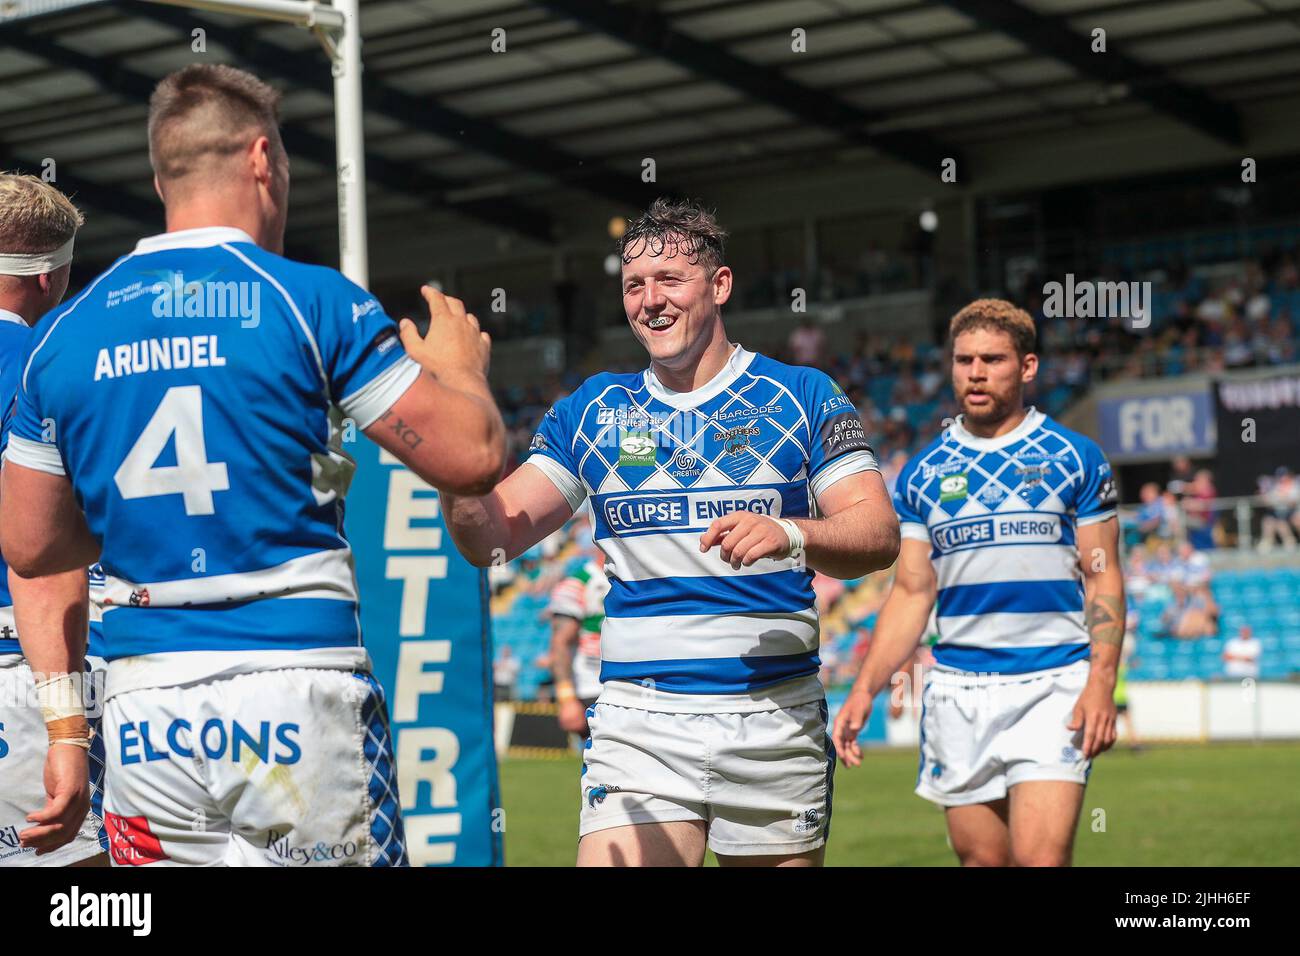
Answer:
(1009, 526)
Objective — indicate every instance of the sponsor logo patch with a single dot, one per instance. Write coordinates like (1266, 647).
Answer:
(635, 449)
(633, 513)
(953, 487)
(1016, 528)
(131, 842)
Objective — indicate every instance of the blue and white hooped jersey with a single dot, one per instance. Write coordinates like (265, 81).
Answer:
(195, 395)
(1000, 515)
(682, 630)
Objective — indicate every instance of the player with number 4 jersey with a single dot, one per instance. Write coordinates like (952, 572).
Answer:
(181, 420)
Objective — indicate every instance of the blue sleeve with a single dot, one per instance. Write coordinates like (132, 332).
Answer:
(911, 521)
(552, 450)
(1095, 496)
(838, 444)
(30, 435)
(10, 375)
(362, 354)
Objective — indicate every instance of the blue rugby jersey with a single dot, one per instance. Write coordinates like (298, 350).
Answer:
(682, 630)
(1000, 515)
(15, 338)
(194, 394)
(14, 334)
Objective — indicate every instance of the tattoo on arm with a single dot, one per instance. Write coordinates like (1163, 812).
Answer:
(405, 433)
(1105, 619)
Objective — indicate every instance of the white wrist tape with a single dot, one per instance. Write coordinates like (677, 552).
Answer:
(36, 263)
(793, 533)
(60, 697)
(82, 742)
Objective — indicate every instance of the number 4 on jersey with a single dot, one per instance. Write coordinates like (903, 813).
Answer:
(180, 413)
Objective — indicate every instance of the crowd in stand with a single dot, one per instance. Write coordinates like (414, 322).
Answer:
(901, 389)
(1246, 320)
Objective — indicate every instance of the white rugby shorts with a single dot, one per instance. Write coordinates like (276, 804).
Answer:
(982, 734)
(23, 745)
(273, 768)
(762, 781)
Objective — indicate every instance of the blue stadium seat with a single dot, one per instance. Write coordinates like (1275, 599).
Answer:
(1156, 670)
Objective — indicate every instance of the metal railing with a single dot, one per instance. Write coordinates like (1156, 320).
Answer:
(1246, 523)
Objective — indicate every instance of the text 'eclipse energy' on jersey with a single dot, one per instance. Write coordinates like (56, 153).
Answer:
(1000, 515)
(660, 467)
(193, 394)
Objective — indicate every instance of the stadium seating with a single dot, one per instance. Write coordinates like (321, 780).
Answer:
(1266, 600)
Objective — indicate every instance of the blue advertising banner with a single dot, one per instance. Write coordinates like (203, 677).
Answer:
(425, 621)
(1146, 426)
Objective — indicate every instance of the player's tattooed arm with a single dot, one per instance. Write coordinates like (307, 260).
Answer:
(1105, 619)
(406, 432)
(1104, 608)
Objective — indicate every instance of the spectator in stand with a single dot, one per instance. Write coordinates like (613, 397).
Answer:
(1137, 574)
(1163, 568)
(1199, 514)
(1192, 568)
(1241, 654)
(1152, 519)
(1192, 614)
(807, 344)
(1172, 517)
(505, 674)
(1181, 473)
(933, 378)
(1281, 510)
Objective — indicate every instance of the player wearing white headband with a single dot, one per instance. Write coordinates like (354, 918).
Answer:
(44, 730)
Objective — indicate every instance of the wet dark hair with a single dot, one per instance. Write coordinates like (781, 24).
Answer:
(676, 227)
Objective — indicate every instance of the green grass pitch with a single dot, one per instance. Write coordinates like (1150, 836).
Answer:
(1186, 805)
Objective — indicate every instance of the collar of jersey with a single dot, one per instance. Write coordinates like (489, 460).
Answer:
(737, 363)
(192, 239)
(7, 316)
(1033, 418)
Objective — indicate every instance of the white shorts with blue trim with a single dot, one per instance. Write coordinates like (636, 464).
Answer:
(982, 734)
(762, 781)
(274, 768)
(23, 745)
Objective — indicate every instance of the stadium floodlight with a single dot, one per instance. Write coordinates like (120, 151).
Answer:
(338, 27)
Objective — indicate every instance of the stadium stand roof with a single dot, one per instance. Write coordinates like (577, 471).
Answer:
(503, 147)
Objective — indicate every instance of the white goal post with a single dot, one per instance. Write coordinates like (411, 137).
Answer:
(337, 26)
